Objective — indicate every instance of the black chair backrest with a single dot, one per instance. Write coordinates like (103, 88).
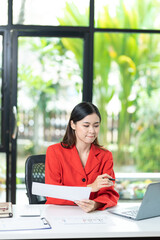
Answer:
(35, 172)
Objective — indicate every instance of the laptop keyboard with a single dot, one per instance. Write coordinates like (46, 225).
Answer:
(131, 212)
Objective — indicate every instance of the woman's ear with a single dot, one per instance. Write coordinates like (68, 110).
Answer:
(72, 125)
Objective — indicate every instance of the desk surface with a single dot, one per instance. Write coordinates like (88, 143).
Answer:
(68, 222)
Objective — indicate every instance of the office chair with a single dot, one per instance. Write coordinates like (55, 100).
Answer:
(34, 172)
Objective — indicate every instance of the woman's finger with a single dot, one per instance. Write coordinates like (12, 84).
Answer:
(105, 175)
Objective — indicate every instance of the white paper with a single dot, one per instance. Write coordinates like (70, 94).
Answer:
(16, 224)
(84, 220)
(61, 192)
(28, 211)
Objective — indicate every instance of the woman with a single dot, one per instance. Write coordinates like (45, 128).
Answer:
(79, 160)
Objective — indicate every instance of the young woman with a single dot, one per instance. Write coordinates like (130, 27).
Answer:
(79, 160)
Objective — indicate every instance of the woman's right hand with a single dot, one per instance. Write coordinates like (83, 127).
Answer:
(100, 182)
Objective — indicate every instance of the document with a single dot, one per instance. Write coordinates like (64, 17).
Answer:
(17, 224)
(61, 192)
(83, 220)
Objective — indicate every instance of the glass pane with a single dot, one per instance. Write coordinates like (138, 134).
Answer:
(1, 40)
(51, 12)
(2, 177)
(49, 85)
(133, 14)
(3, 12)
(127, 92)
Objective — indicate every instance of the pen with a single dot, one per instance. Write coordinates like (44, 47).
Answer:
(112, 179)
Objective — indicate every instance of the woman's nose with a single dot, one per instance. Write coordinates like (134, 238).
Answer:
(91, 129)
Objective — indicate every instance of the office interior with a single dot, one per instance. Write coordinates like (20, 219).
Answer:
(55, 54)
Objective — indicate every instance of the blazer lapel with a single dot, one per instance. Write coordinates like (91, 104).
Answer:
(92, 161)
(75, 161)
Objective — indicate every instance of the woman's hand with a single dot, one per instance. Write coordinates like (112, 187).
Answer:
(88, 205)
(100, 182)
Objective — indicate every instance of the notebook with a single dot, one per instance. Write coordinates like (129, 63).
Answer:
(6, 209)
(149, 207)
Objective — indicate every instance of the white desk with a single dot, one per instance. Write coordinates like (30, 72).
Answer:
(112, 227)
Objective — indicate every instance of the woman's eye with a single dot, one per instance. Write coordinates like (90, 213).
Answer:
(86, 125)
(96, 126)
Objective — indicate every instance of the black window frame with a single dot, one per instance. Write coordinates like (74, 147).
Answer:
(10, 32)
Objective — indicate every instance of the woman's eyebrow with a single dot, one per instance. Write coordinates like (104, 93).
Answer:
(93, 123)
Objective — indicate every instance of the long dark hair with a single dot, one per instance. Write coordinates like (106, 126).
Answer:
(79, 112)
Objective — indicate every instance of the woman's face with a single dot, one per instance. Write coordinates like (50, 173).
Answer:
(87, 129)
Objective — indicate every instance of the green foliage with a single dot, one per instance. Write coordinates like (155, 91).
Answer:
(147, 130)
(72, 16)
(148, 150)
(102, 90)
(29, 149)
(41, 91)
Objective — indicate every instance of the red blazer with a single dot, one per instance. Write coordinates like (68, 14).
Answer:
(63, 167)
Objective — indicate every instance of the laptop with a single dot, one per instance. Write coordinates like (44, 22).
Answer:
(149, 207)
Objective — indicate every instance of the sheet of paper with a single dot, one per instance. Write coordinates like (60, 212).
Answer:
(28, 211)
(83, 220)
(62, 192)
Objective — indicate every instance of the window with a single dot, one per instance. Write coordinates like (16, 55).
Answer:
(51, 12)
(47, 91)
(3, 12)
(133, 14)
(126, 89)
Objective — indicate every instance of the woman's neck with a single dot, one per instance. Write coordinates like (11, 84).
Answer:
(83, 147)
(83, 152)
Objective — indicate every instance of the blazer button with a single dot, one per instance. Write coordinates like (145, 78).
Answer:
(83, 179)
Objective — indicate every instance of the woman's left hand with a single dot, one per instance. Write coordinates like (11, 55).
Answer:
(88, 205)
